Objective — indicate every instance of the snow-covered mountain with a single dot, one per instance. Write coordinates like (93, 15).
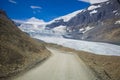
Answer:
(31, 25)
(65, 18)
(96, 23)
(33, 19)
(34, 26)
(58, 24)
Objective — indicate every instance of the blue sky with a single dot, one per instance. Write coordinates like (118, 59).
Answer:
(42, 9)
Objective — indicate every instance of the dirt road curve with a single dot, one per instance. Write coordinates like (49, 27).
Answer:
(60, 66)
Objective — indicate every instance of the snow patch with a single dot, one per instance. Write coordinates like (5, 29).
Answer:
(93, 7)
(93, 12)
(117, 22)
(117, 13)
(83, 30)
(114, 11)
(60, 29)
(107, 2)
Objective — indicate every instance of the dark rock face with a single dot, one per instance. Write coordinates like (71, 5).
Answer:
(106, 11)
(56, 23)
(102, 19)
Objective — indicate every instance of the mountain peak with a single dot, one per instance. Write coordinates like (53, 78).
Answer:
(34, 19)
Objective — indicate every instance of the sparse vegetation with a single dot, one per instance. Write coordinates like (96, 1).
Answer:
(17, 50)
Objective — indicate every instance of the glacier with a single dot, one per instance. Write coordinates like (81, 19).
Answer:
(37, 30)
(92, 47)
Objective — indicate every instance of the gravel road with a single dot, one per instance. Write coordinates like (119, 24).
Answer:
(60, 66)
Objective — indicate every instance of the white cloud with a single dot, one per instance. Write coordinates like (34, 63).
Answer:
(35, 7)
(93, 1)
(12, 1)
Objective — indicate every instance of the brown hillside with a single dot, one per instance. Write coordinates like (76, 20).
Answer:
(17, 49)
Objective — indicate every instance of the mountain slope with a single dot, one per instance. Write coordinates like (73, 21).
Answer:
(30, 25)
(96, 23)
(17, 50)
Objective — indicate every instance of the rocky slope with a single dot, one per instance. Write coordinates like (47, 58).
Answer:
(98, 22)
(17, 50)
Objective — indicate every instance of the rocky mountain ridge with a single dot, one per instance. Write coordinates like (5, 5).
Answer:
(98, 22)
